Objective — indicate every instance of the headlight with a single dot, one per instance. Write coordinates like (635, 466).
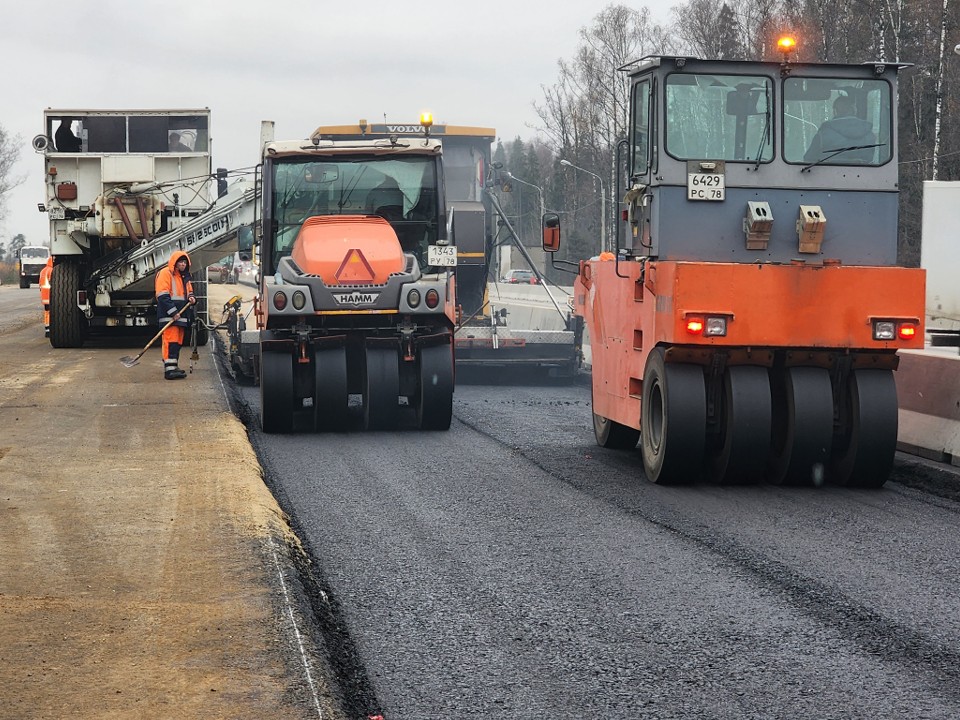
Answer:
(299, 300)
(883, 330)
(413, 298)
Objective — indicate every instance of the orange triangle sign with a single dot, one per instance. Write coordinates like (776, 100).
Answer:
(354, 269)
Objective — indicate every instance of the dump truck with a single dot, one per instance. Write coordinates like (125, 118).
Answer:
(124, 189)
(497, 327)
(747, 324)
(355, 309)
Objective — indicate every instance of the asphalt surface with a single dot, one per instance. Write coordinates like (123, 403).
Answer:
(510, 568)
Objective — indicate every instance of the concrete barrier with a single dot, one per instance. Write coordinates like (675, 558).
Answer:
(928, 390)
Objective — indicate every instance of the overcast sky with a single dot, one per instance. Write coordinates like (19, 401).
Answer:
(301, 64)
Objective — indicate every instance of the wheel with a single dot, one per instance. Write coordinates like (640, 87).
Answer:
(745, 415)
(276, 392)
(864, 455)
(331, 398)
(203, 317)
(802, 428)
(24, 283)
(673, 420)
(435, 400)
(381, 389)
(612, 435)
(67, 324)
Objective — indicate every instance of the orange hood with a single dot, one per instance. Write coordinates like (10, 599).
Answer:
(348, 249)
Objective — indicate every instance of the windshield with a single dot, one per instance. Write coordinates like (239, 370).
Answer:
(719, 117)
(34, 253)
(834, 121)
(403, 191)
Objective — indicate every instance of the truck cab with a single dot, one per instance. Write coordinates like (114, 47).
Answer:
(31, 260)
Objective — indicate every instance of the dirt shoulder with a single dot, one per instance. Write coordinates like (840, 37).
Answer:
(141, 555)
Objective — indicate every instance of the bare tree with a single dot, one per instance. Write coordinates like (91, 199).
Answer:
(9, 154)
(584, 114)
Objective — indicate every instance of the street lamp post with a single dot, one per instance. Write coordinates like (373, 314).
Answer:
(603, 202)
(535, 187)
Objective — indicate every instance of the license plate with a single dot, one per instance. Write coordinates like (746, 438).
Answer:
(705, 186)
(57, 212)
(442, 255)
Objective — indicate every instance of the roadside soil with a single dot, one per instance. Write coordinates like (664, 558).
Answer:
(141, 555)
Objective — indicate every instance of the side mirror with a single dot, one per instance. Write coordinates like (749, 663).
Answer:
(550, 226)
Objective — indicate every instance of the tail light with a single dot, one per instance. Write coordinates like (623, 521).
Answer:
(894, 329)
(279, 300)
(432, 298)
(707, 325)
(907, 331)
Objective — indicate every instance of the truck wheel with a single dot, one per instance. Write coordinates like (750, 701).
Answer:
(203, 316)
(865, 454)
(67, 324)
(613, 435)
(802, 425)
(276, 392)
(435, 401)
(24, 283)
(745, 417)
(381, 389)
(673, 420)
(331, 400)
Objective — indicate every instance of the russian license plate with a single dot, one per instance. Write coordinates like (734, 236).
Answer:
(442, 255)
(705, 186)
(56, 212)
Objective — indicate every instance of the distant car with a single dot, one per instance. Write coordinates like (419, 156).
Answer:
(522, 277)
(221, 272)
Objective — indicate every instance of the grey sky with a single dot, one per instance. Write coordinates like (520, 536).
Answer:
(300, 64)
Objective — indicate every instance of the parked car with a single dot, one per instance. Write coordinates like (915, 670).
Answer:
(523, 277)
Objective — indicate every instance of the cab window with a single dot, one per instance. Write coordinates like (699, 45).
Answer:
(836, 121)
(719, 117)
(641, 128)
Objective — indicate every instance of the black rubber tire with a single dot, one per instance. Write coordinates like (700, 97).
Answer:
(203, 333)
(276, 392)
(864, 457)
(673, 420)
(381, 389)
(745, 417)
(802, 428)
(435, 388)
(68, 326)
(24, 283)
(331, 400)
(613, 435)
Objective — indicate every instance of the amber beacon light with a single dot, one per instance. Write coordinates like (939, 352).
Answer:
(786, 44)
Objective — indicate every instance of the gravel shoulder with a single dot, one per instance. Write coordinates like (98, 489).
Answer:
(144, 564)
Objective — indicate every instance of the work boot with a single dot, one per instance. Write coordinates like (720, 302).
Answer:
(174, 374)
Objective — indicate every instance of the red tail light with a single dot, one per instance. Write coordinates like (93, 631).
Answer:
(432, 298)
(695, 326)
(279, 300)
(907, 331)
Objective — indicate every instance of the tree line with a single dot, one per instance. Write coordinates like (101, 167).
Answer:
(583, 115)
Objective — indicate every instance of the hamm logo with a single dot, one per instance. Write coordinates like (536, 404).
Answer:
(356, 298)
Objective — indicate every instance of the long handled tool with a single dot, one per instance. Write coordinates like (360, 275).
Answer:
(129, 361)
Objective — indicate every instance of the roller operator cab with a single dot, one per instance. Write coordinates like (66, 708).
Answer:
(357, 291)
(747, 326)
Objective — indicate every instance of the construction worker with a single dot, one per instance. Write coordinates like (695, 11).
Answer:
(175, 300)
(45, 294)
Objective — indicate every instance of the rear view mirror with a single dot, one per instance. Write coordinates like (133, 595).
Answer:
(550, 226)
(321, 173)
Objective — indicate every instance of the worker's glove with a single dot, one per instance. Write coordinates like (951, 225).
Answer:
(192, 299)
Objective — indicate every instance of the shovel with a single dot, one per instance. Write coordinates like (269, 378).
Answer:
(129, 361)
